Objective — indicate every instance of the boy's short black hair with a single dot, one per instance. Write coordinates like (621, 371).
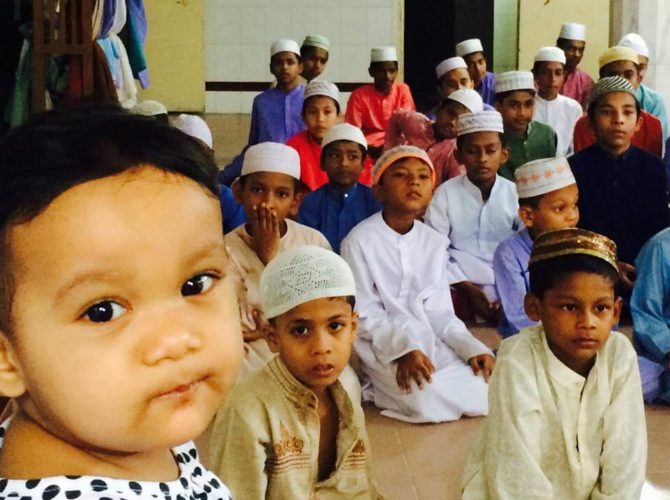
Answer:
(304, 103)
(372, 64)
(60, 149)
(546, 274)
(501, 96)
(305, 49)
(461, 139)
(537, 65)
(297, 56)
(591, 111)
(326, 148)
(532, 202)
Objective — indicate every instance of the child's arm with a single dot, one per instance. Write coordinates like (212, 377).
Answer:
(354, 113)
(266, 235)
(406, 100)
(254, 128)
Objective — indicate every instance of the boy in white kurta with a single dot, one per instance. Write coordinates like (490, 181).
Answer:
(412, 347)
(566, 416)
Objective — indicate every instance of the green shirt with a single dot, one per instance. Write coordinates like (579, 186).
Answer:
(539, 142)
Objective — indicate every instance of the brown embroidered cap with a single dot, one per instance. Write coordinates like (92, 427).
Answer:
(573, 241)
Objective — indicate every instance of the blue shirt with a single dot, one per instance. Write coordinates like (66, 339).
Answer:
(623, 198)
(275, 115)
(487, 88)
(232, 213)
(335, 213)
(652, 102)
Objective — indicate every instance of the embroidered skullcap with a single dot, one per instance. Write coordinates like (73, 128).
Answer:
(617, 54)
(449, 65)
(149, 108)
(195, 127)
(573, 241)
(550, 54)
(381, 54)
(469, 46)
(514, 80)
(468, 98)
(398, 153)
(318, 41)
(542, 176)
(271, 157)
(611, 84)
(484, 121)
(318, 87)
(344, 132)
(301, 274)
(635, 42)
(284, 45)
(573, 31)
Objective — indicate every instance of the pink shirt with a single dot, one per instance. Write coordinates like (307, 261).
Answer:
(577, 85)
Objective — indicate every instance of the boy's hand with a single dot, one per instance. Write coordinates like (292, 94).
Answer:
(482, 363)
(414, 365)
(258, 332)
(266, 235)
(627, 275)
(481, 304)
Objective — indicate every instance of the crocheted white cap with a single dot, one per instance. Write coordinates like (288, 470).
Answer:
(449, 65)
(573, 31)
(397, 153)
(284, 45)
(344, 132)
(301, 274)
(149, 108)
(484, 121)
(468, 98)
(550, 54)
(381, 54)
(195, 127)
(635, 42)
(542, 176)
(514, 80)
(318, 41)
(271, 157)
(318, 87)
(469, 46)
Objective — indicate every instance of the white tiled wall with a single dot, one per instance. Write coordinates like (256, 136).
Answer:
(238, 35)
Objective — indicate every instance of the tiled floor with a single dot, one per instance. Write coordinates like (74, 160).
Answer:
(426, 461)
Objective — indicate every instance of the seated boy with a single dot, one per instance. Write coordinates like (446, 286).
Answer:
(314, 55)
(320, 111)
(436, 137)
(118, 329)
(371, 106)
(526, 139)
(476, 211)
(551, 108)
(267, 189)
(621, 187)
(577, 83)
(547, 200)
(452, 75)
(484, 81)
(623, 62)
(336, 207)
(421, 361)
(566, 417)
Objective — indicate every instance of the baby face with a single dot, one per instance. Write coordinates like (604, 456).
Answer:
(125, 331)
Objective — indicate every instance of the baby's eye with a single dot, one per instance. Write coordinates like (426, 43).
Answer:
(197, 285)
(104, 311)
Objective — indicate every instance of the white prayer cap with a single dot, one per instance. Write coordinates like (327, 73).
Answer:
(398, 153)
(484, 121)
(550, 54)
(195, 127)
(468, 98)
(301, 274)
(284, 45)
(617, 54)
(318, 87)
(271, 157)
(635, 42)
(449, 65)
(542, 176)
(381, 54)
(318, 41)
(344, 132)
(149, 108)
(469, 46)
(514, 80)
(573, 31)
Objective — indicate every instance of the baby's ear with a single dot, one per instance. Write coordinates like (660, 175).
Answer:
(11, 379)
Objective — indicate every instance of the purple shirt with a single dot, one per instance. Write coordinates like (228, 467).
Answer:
(487, 88)
(275, 115)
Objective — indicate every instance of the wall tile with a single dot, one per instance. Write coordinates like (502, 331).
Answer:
(229, 26)
(254, 63)
(303, 21)
(379, 26)
(354, 26)
(229, 102)
(278, 24)
(211, 102)
(327, 23)
(229, 62)
(253, 21)
(355, 62)
(246, 100)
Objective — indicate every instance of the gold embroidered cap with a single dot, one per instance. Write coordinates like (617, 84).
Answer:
(573, 241)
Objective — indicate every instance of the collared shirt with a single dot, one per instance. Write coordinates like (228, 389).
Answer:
(652, 102)
(276, 115)
(561, 114)
(510, 267)
(539, 142)
(335, 213)
(487, 88)
(552, 433)
(265, 442)
(648, 137)
(577, 85)
(623, 198)
(370, 110)
(311, 173)
(474, 227)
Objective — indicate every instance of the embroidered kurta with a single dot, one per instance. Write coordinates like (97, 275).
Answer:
(487, 88)
(371, 110)
(553, 434)
(335, 213)
(311, 173)
(276, 115)
(265, 442)
(539, 142)
(473, 226)
(510, 268)
(652, 102)
(561, 114)
(577, 85)
(404, 304)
